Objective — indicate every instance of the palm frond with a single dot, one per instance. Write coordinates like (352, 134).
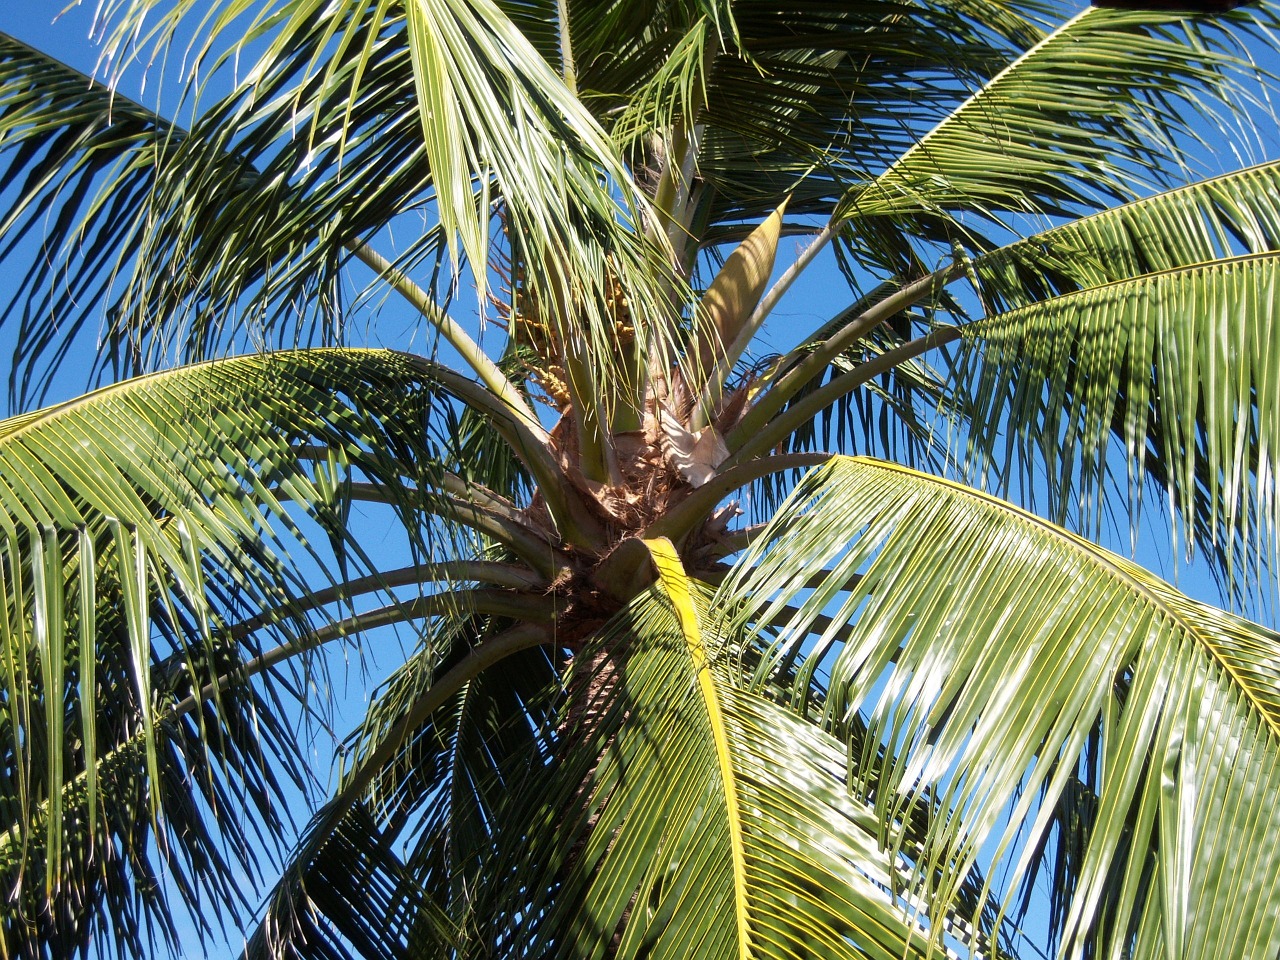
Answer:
(311, 915)
(984, 650)
(1233, 214)
(1188, 229)
(658, 813)
(498, 128)
(819, 97)
(1178, 366)
(1098, 111)
(435, 798)
(683, 816)
(162, 233)
(892, 416)
(141, 524)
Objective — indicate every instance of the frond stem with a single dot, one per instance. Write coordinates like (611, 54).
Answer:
(735, 541)
(566, 47)
(532, 445)
(449, 328)
(781, 427)
(775, 398)
(447, 481)
(698, 506)
(453, 571)
(525, 541)
(528, 607)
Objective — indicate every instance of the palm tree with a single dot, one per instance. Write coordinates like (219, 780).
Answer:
(715, 652)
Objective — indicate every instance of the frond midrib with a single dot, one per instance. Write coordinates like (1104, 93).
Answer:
(32, 421)
(1199, 187)
(1061, 299)
(986, 92)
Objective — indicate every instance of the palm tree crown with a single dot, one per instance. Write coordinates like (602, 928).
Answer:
(716, 652)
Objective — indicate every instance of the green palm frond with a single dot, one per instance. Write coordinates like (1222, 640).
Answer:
(162, 232)
(312, 916)
(712, 824)
(500, 130)
(1142, 286)
(1178, 366)
(519, 124)
(1235, 213)
(674, 823)
(984, 650)
(674, 93)
(146, 528)
(1096, 112)
(798, 102)
(652, 691)
(435, 799)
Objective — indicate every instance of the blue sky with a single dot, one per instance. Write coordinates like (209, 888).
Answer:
(42, 24)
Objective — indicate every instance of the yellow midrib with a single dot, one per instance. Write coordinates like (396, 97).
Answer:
(676, 583)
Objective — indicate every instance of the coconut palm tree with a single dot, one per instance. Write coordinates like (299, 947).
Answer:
(706, 649)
